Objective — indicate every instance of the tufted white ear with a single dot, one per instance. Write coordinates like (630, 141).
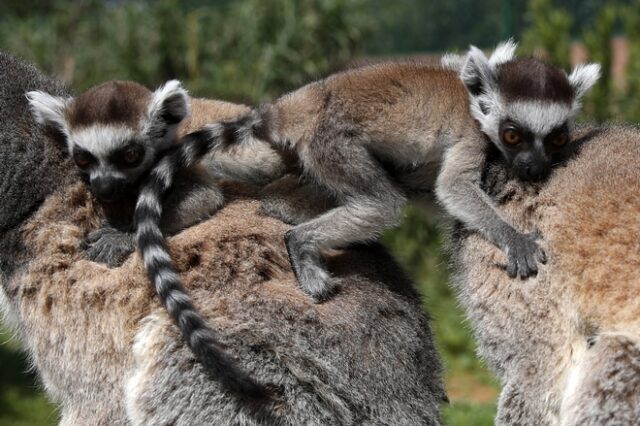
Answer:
(477, 73)
(582, 79)
(169, 104)
(504, 52)
(49, 110)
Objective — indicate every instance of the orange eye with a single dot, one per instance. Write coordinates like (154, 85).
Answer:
(561, 139)
(511, 136)
(131, 156)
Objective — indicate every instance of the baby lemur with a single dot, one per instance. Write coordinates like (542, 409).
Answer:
(375, 135)
(115, 133)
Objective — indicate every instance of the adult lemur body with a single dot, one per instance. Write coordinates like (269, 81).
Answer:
(373, 136)
(115, 132)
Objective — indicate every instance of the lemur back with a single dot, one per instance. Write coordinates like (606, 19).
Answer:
(431, 126)
(115, 133)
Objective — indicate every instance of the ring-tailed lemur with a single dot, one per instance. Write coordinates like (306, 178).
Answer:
(115, 133)
(375, 134)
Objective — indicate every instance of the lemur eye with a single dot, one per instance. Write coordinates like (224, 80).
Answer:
(82, 159)
(561, 139)
(131, 156)
(511, 136)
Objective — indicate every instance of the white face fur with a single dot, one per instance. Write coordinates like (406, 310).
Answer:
(132, 126)
(531, 129)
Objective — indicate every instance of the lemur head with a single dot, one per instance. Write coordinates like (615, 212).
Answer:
(526, 107)
(114, 131)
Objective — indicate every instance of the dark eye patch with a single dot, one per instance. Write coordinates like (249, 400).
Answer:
(129, 156)
(562, 129)
(83, 158)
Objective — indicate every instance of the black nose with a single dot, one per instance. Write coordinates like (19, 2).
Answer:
(105, 188)
(536, 171)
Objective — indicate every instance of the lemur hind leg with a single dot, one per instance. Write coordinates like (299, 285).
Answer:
(370, 204)
(293, 200)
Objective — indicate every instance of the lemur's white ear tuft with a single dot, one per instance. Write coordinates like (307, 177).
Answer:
(477, 73)
(169, 104)
(582, 79)
(49, 110)
(504, 52)
(452, 61)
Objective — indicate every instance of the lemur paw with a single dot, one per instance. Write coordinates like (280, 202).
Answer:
(524, 254)
(109, 246)
(312, 277)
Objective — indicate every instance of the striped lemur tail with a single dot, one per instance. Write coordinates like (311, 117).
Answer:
(199, 337)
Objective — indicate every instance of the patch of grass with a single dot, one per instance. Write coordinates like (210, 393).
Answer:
(469, 414)
(22, 402)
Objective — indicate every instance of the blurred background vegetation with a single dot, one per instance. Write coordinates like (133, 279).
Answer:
(253, 50)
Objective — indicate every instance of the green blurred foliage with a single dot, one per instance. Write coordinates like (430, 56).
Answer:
(550, 31)
(246, 50)
(21, 401)
(252, 50)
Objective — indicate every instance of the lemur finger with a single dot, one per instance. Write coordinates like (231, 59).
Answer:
(541, 256)
(92, 251)
(536, 235)
(523, 269)
(93, 236)
(532, 264)
(512, 267)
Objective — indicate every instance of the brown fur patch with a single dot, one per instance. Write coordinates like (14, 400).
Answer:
(206, 111)
(113, 102)
(530, 78)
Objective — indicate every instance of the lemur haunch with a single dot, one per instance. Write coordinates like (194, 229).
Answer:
(373, 135)
(115, 133)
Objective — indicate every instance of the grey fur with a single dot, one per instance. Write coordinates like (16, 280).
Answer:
(565, 345)
(335, 364)
(293, 200)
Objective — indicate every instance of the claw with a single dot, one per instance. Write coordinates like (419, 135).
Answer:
(542, 257)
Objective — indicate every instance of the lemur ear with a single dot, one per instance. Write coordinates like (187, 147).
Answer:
(582, 79)
(504, 52)
(477, 73)
(169, 104)
(49, 110)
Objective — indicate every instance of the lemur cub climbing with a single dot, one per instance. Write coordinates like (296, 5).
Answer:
(115, 133)
(373, 136)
